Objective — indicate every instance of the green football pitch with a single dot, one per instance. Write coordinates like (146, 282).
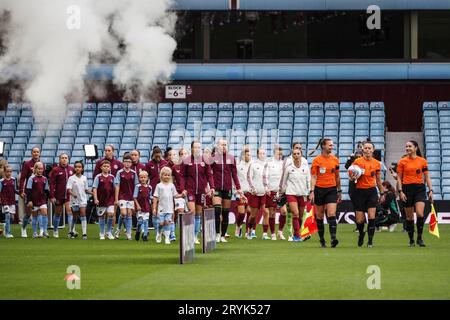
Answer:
(240, 269)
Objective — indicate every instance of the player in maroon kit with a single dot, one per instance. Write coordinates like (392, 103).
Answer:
(59, 196)
(142, 199)
(115, 165)
(125, 181)
(103, 190)
(174, 163)
(25, 173)
(136, 165)
(37, 191)
(8, 193)
(197, 174)
(224, 170)
(154, 166)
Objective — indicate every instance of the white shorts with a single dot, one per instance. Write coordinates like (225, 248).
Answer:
(180, 203)
(143, 215)
(124, 204)
(11, 209)
(43, 206)
(76, 206)
(101, 210)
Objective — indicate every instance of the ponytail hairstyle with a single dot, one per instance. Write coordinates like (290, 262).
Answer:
(166, 153)
(156, 149)
(415, 144)
(322, 142)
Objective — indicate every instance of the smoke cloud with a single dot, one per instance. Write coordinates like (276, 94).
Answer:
(53, 41)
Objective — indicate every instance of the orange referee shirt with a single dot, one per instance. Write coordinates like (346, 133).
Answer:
(370, 169)
(412, 169)
(325, 169)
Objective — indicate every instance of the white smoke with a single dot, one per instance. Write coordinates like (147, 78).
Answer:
(41, 37)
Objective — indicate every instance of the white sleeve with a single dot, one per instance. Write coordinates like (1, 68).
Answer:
(174, 190)
(156, 193)
(69, 183)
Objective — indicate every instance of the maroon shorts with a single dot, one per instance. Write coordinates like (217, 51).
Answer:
(300, 200)
(256, 201)
(269, 201)
(60, 202)
(198, 198)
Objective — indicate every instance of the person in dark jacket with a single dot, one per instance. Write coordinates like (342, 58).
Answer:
(224, 170)
(197, 174)
(59, 196)
(388, 211)
(116, 165)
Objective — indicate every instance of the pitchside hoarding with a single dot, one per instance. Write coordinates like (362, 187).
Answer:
(208, 230)
(187, 244)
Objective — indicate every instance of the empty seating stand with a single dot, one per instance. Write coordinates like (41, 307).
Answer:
(436, 130)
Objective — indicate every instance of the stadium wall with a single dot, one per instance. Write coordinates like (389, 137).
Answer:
(310, 4)
(403, 99)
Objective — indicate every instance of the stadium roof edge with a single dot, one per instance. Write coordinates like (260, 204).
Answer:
(322, 5)
(278, 71)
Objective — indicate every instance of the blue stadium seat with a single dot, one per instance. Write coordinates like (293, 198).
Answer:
(254, 125)
(362, 106)
(212, 107)
(16, 153)
(444, 105)
(430, 113)
(255, 106)
(134, 113)
(269, 125)
(180, 106)
(137, 120)
(301, 106)
(346, 106)
(376, 119)
(134, 107)
(347, 119)
(177, 126)
(346, 132)
(429, 106)
(377, 106)
(286, 106)
(240, 120)
(149, 106)
(183, 114)
(272, 106)
(434, 160)
(285, 126)
(240, 107)
(225, 106)
(15, 120)
(331, 106)
(431, 139)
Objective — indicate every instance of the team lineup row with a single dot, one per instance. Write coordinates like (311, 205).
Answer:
(187, 182)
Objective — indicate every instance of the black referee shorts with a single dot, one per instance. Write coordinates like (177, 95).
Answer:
(322, 196)
(414, 193)
(365, 198)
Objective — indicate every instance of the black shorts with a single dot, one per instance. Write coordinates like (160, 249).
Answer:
(225, 195)
(365, 199)
(414, 193)
(322, 196)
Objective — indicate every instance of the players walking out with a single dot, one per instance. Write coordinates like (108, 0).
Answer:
(326, 189)
(224, 170)
(295, 184)
(412, 170)
(366, 195)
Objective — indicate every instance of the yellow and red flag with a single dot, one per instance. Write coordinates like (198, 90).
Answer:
(309, 225)
(433, 225)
